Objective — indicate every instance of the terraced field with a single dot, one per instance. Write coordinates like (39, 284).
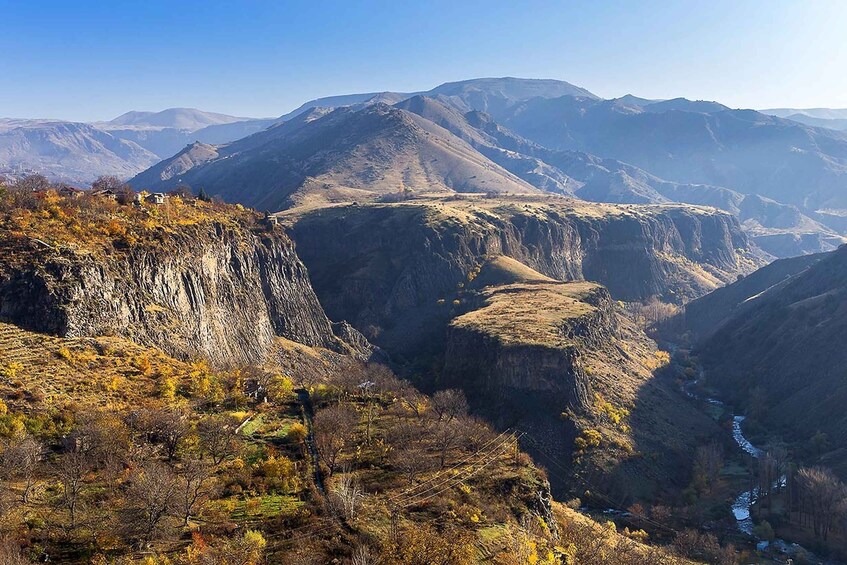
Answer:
(42, 370)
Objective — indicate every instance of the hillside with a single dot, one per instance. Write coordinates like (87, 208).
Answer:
(385, 266)
(562, 363)
(67, 151)
(250, 450)
(742, 150)
(157, 428)
(782, 339)
(707, 314)
(188, 277)
(345, 154)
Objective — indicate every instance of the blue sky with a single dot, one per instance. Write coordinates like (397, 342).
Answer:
(86, 60)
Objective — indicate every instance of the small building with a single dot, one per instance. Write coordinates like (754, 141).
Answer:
(155, 198)
(70, 192)
(271, 220)
(108, 194)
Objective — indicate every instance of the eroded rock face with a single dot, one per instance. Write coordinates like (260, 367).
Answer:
(385, 267)
(209, 290)
(521, 344)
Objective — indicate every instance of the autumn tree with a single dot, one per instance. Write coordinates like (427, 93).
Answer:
(758, 402)
(246, 549)
(422, 544)
(824, 496)
(334, 428)
(708, 463)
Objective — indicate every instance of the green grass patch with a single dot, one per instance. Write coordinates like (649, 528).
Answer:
(253, 425)
(263, 507)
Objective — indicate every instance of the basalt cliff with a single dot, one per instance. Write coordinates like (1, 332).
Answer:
(221, 286)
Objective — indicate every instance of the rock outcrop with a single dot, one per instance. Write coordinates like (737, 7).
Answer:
(218, 290)
(385, 267)
(521, 344)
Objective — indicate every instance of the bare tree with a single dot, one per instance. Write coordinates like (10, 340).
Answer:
(151, 498)
(348, 494)
(21, 460)
(102, 437)
(824, 495)
(32, 183)
(195, 485)
(167, 426)
(71, 470)
(411, 461)
(217, 436)
(446, 436)
(450, 404)
(334, 428)
(362, 556)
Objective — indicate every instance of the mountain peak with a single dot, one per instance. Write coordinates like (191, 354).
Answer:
(178, 118)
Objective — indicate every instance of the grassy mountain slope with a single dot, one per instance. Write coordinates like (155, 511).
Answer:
(346, 154)
(784, 341)
(782, 230)
(67, 151)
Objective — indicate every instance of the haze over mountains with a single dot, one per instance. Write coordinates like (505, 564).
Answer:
(785, 180)
(563, 139)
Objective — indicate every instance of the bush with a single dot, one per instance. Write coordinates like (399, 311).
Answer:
(588, 439)
(764, 531)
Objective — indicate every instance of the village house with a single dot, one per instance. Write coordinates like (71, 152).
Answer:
(108, 194)
(70, 192)
(155, 198)
(271, 220)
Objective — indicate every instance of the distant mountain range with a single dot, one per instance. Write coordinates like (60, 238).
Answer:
(818, 117)
(627, 150)
(785, 180)
(67, 151)
(78, 153)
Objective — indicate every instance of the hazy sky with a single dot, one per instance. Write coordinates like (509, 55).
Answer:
(87, 60)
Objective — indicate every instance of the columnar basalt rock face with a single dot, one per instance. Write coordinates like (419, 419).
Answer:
(212, 290)
(381, 266)
(524, 341)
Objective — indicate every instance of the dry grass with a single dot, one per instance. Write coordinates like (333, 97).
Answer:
(530, 313)
(92, 224)
(38, 370)
(500, 270)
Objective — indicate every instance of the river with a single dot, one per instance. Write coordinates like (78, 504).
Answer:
(743, 503)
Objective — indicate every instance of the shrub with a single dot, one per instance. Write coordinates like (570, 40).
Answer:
(588, 439)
